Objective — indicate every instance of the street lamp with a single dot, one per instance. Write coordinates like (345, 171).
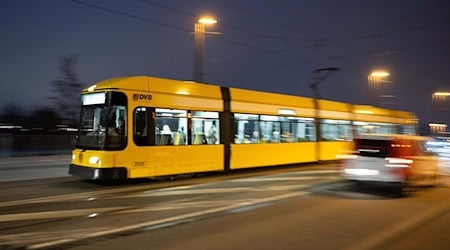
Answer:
(435, 94)
(375, 78)
(199, 44)
(379, 74)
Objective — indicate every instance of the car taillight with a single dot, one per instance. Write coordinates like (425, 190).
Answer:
(399, 166)
(398, 162)
(400, 172)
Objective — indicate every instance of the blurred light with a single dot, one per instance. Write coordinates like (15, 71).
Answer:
(96, 173)
(396, 165)
(437, 125)
(207, 20)
(93, 215)
(10, 126)
(91, 88)
(182, 92)
(361, 171)
(369, 150)
(398, 160)
(379, 74)
(73, 157)
(286, 112)
(94, 160)
(362, 111)
(441, 93)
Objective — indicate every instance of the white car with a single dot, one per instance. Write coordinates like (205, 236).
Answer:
(397, 159)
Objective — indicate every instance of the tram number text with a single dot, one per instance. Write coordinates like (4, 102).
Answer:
(139, 163)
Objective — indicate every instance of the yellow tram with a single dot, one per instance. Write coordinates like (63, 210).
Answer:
(174, 127)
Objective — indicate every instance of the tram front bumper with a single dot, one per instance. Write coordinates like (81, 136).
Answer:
(116, 173)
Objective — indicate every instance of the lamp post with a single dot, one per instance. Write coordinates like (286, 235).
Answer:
(199, 44)
(375, 78)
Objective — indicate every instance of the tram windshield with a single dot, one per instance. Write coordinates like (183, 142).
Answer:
(103, 123)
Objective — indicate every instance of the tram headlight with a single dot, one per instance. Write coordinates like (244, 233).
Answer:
(94, 160)
(73, 157)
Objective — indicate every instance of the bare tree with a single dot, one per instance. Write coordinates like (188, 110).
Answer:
(13, 114)
(67, 89)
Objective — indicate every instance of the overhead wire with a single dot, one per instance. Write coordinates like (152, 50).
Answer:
(129, 15)
(226, 24)
(237, 28)
(279, 52)
(123, 13)
(157, 22)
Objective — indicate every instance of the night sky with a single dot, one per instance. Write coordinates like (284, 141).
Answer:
(268, 45)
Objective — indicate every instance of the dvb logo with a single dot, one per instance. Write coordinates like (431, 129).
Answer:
(142, 97)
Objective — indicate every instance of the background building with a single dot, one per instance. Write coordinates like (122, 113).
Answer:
(440, 113)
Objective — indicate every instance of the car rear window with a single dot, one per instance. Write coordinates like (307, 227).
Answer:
(387, 148)
(373, 148)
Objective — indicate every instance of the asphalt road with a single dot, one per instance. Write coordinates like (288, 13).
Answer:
(298, 207)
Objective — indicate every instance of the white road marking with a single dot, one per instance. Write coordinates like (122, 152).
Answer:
(57, 214)
(287, 178)
(129, 209)
(153, 223)
(49, 239)
(93, 194)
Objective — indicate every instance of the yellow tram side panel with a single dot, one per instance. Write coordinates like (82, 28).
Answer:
(156, 160)
(367, 113)
(334, 110)
(171, 160)
(185, 95)
(257, 102)
(269, 154)
(330, 150)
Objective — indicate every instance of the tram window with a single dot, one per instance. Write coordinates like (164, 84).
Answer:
(170, 127)
(247, 128)
(374, 128)
(251, 128)
(303, 129)
(205, 127)
(118, 98)
(141, 125)
(271, 128)
(117, 127)
(336, 130)
(103, 121)
(362, 127)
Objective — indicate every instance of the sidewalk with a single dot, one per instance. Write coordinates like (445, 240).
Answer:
(34, 167)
